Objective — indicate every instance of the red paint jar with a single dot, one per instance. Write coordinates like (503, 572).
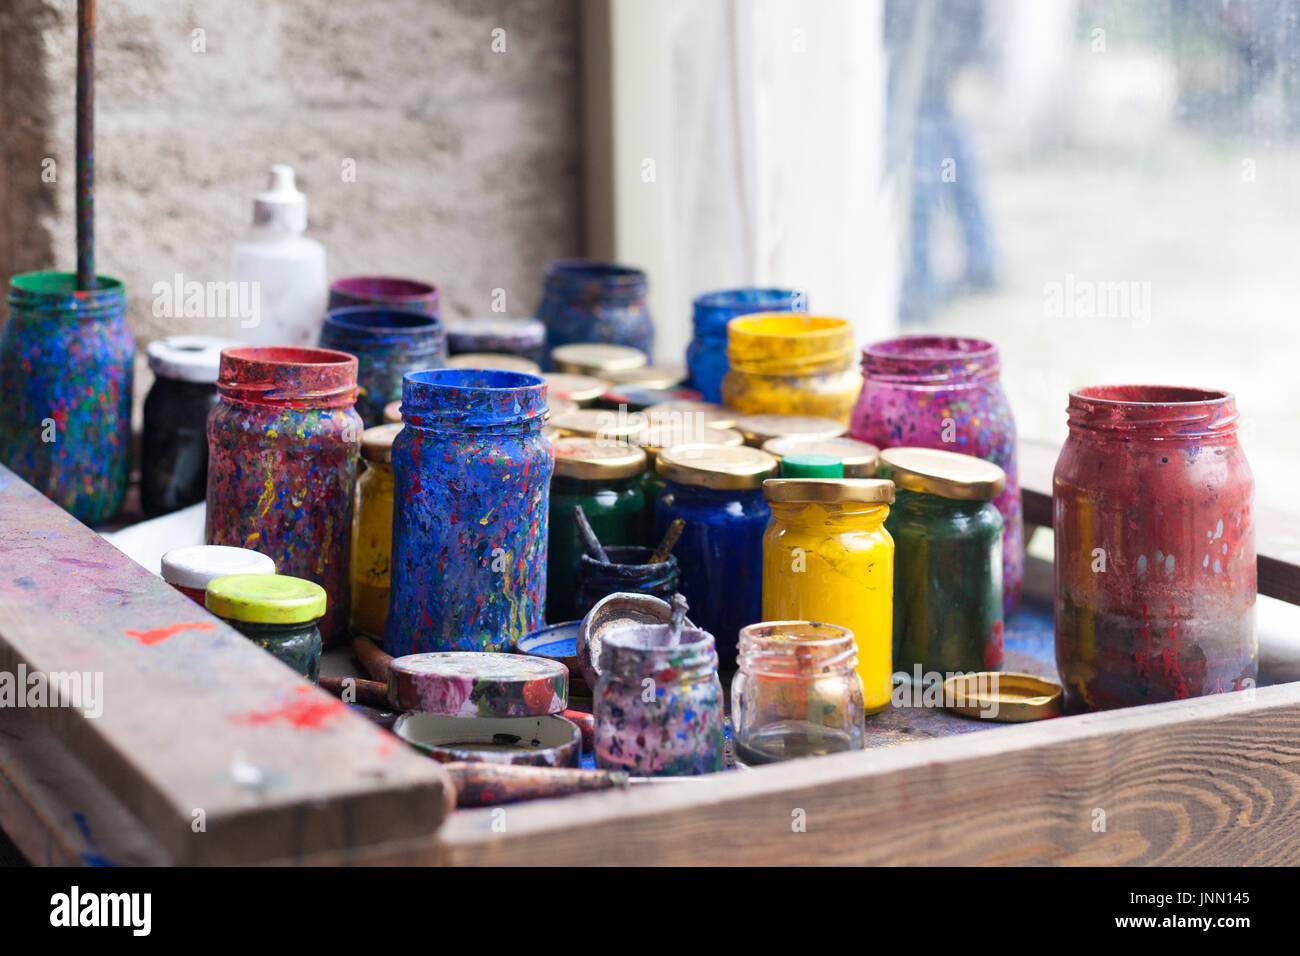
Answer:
(1155, 548)
(283, 445)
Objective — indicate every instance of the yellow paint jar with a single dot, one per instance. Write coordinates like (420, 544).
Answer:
(827, 557)
(787, 363)
(372, 531)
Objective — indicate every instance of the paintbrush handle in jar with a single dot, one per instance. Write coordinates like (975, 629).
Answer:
(588, 534)
(485, 784)
(668, 543)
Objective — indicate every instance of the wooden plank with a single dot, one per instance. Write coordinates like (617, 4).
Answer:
(197, 723)
(1214, 780)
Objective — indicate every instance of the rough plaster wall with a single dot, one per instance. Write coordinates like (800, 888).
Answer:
(467, 161)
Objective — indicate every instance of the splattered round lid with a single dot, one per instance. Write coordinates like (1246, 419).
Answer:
(265, 599)
(478, 684)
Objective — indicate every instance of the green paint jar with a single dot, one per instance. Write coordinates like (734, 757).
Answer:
(604, 477)
(276, 612)
(947, 562)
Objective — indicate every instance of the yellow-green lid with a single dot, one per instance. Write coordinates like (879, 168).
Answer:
(265, 599)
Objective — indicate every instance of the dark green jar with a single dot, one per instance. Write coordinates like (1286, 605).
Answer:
(276, 612)
(604, 477)
(947, 562)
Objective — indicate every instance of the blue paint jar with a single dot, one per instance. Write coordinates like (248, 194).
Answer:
(472, 473)
(388, 343)
(67, 364)
(584, 300)
(706, 356)
(718, 492)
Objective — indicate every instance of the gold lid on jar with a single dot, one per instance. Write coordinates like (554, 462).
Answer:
(716, 466)
(645, 376)
(582, 389)
(860, 459)
(495, 360)
(600, 423)
(377, 443)
(660, 436)
(595, 358)
(829, 490)
(704, 414)
(944, 473)
(393, 412)
(591, 458)
(760, 428)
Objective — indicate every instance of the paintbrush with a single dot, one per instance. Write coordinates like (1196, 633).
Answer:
(372, 658)
(486, 784)
(589, 539)
(86, 144)
(668, 543)
(370, 692)
(675, 622)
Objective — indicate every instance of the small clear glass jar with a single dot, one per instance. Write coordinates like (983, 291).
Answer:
(797, 693)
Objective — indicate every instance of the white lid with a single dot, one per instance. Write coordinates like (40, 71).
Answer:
(189, 358)
(196, 565)
(281, 205)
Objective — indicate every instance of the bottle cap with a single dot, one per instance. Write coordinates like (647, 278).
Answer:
(500, 360)
(829, 490)
(583, 389)
(859, 458)
(600, 423)
(1005, 697)
(194, 566)
(943, 473)
(281, 205)
(704, 414)
(757, 429)
(393, 412)
(659, 436)
(377, 442)
(265, 599)
(716, 466)
(805, 465)
(188, 358)
(646, 376)
(591, 458)
(595, 358)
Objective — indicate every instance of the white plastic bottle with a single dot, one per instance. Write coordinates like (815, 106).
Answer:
(285, 271)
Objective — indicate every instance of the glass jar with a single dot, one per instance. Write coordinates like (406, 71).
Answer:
(386, 291)
(283, 445)
(602, 476)
(706, 355)
(658, 706)
(276, 612)
(717, 492)
(584, 300)
(372, 532)
(947, 563)
(388, 343)
(189, 569)
(67, 363)
(525, 338)
(665, 430)
(471, 492)
(939, 391)
(797, 693)
(630, 571)
(1155, 548)
(827, 557)
(791, 364)
(174, 444)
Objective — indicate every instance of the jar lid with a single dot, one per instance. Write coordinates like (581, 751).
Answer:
(592, 458)
(377, 442)
(555, 407)
(265, 599)
(639, 397)
(498, 360)
(706, 414)
(478, 684)
(658, 437)
(808, 465)
(829, 490)
(393, 412)
(716, 466)
(943, 473)
(647, 376)
(593, 358)
(1004, 697)
(759, 428)
(194, 566)
(188, 358)
(522, 333)
(860, 459)
(582, 389)
(600, 423)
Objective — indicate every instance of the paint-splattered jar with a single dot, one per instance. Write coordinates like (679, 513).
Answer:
(944, 392)
(282, 463)
(372, 531)
(706, 355)
(276, 612)
(791, 364)
(388, 343)
(603, 477)
(472, 475)
(718, 493)
(66, 371)
(629, 571)
(174, 444)
(797, 692)
(658, 705)
(386, 291)
(1155, 548)
(947, 562)
(584, 300)
(189, 569)
(827, 557)
(525, 338)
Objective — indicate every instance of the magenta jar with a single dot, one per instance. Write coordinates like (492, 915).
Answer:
(944, 391)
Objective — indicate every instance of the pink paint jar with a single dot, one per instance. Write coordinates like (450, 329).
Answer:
(190, 569)
(1155, 548)
(942, 391)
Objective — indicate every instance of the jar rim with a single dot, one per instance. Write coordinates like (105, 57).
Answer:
(383, 289)
(775, 630)
(581, 269)
(743, 297)
(1153, 411)
(930, 358)
(265, 375)
(381, 319)
(1161, 395)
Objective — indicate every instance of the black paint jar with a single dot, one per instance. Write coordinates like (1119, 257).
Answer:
(627, 571)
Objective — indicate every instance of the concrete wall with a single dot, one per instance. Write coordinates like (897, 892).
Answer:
(466, 159)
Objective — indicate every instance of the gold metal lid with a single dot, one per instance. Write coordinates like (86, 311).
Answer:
(645, 376)
(582, 389)
(1007, 698)
(555, 407)
(860, 459)
(587, 458)
(658, 437)
(705, 414)
(377, 442)
(944, 473)
(494, 360)
(759, 428)
(593, 358)
(829, 490)
(393, 412)
(600, 423)
(715, 466)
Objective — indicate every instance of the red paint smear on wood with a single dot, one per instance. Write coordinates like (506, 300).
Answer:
(159, 634)
(306, 714)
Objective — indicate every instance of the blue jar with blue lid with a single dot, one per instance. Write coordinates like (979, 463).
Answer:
(706, 356)
(387, 342)
(586, 300)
